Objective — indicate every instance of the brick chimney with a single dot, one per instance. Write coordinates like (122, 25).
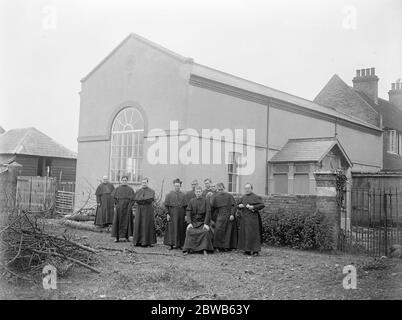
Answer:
(367, 82)
(395, 94)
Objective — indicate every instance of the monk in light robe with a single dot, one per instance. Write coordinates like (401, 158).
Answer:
(123, 197)
(250, 234)
(175, 208)
(225, 232)
(104, 200)
(198, 234)
(144, 222)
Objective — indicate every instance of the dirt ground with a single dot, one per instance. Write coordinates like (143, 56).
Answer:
(157, 273)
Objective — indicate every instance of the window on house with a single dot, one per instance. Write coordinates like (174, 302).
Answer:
(39, 170)
(233, 172)
(48, 167)
(393, 141)
(301, 182)
(400, 144)
(127, 146)
(281, 183)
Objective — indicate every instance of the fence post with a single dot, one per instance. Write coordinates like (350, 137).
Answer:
(385, 223)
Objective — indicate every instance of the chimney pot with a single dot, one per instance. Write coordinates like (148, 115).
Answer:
(363, 72)
(393, 86)
(357, 73)
(398, 86)
(373, 71)
(367, 71)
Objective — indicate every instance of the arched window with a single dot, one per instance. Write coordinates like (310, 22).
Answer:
(127, 145)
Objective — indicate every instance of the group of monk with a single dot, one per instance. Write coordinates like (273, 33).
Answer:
(200, 220)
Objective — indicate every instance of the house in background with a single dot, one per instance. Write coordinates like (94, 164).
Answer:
(362, 101)
(38, 154)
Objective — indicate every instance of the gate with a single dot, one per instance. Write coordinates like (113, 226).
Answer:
(65, 197)
(35, 193)
(375, 222)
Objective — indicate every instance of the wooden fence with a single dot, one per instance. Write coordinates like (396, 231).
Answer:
(43, 193)
(35, 193)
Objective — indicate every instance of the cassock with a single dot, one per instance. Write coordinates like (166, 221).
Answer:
(205, 192)
(123, 218)
(190, 195)
(175, 206)
(250, 233)
(198, 238)
(104, 210)
(210, 195)
(225, 232)
(144, 225)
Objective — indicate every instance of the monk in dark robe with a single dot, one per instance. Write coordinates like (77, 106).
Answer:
(250, 234)
(123, 197)
(207, 188)
(104, 200)
(225, 232)
(210, 195)
(191, 194)
(198, 234)
(144, 225)
(175, 208)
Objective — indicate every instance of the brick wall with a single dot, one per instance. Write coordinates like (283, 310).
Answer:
(305, 204)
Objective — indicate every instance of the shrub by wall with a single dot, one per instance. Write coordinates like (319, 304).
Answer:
(297, 230)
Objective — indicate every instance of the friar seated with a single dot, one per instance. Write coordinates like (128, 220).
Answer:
(198, 234)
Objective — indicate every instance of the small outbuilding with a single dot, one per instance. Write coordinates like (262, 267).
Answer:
(292, 168)
(38, 154)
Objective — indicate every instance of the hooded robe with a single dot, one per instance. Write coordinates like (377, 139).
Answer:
(250, 233)
(123, 217)
(104, 210)
(225, 232)
(199, 214)
(144, 225)
(175, 206)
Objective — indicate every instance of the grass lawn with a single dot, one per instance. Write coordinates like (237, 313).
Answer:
(157, 273)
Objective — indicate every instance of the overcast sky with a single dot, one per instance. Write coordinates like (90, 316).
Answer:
(293, 46)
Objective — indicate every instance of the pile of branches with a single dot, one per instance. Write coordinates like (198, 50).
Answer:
(26, 248)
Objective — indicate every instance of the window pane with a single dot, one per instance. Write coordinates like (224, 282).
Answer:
(281, 183)
(301, 184)
(127, 147)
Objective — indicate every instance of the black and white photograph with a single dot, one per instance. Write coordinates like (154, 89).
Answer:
(200, 156)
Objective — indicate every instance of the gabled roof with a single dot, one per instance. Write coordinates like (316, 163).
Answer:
(337, 95)
(145, 41)
(30, 141)
(202, 71)
(308, 150)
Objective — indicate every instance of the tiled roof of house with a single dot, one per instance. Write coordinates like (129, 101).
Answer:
(30, 141)
(307, 150)
(337, 95)
(391, 115)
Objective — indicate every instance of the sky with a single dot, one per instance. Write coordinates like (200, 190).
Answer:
(47, 47)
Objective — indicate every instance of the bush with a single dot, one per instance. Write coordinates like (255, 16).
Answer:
(297, 230)
(160, 218)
